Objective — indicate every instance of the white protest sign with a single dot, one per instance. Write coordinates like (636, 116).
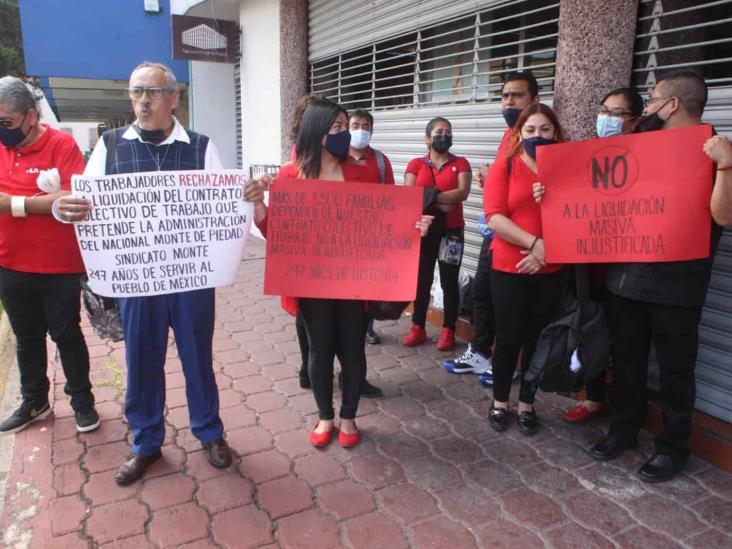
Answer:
(158, 233)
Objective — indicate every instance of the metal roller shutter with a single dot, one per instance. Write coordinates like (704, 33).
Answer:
(698, 34)
(415, 68)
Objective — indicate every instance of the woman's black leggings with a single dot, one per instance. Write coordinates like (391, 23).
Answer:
(335, 327)
(448, 279)
(524, 305)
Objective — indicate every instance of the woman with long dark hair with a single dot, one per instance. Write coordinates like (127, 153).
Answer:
(451, 175)
(526, 290)
(334, 327)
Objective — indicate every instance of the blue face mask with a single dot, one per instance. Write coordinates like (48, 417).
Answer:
(511, 115)
(337, 144)
(531, 143)
(607, 126)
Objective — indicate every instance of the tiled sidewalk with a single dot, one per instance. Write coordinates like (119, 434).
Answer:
(429, 473)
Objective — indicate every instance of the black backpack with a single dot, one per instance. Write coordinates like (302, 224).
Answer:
(582, 328)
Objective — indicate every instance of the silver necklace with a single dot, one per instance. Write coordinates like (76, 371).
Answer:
(156, 157)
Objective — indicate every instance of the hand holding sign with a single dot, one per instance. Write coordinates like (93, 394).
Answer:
(640, 198)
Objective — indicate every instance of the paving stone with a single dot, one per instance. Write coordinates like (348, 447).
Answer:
(253, 384)
(294, 443)
(171, 461)
(225, 492)
(404, 447)
(375, 530)
(402, 408)
(710, 538)
(440, 532)
(716, 511)
(281, 420)
(432, 474)
(167, 491)
(67, 514)
(106, 456)
(229, 398)
(264, 466)
(265, 402)
(67, 479)
(101, 488)
(131, 542)
(249, 440)
(469, 505)
(242, 527)
(426, 427)
(716, 481)
(178, 418)
(198, 467)
(532, 509)
(490, 476)
(408, 502)
(319, 469)
(456, 450)
(67, 451)
(663, 515)
(109, 431)
(199, 544)
(177, 525)
(573, 536)
(642, 538)
(549, 480)
(67, 541)
(345, 499)
(116, 521)
(376, 471)
(237, 416)
(308, 530)
(507, 535)
(63, 428)
(284, 496)
(596, 511)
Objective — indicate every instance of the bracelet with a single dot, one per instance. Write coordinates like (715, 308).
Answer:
(725, 168)
(533, 244)
(17, 206)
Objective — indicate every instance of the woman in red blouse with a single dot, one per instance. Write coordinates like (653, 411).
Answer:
(526, 290)
(451, 176)
(334, 327)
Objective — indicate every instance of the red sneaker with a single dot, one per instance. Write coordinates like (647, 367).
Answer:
(415, 336)
(580, 413)
(447, 340)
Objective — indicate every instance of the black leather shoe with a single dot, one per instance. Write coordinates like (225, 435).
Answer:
(498, 419)
(304, 378)
(659, 468)
(609, 448)
(372, 338)
(218, 453)
(528, 422)
(134, 468)
(370, 391)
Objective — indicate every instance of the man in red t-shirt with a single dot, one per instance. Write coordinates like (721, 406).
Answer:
(40, 263)
(520, 90)
(378, 168)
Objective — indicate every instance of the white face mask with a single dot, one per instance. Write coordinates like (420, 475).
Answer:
(360, 139)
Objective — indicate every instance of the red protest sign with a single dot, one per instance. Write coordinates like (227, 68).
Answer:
(638, 198)
(340, 240)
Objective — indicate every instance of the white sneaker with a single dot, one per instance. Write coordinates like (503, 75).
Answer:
(470, 361)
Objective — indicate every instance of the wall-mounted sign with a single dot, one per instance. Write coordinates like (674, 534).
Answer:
(151, 6)
(203, 39)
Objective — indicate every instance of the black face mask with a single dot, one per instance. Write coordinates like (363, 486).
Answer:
(649, 123)
(151, 136)
(510, 115)
(10, 137)
(442, 143)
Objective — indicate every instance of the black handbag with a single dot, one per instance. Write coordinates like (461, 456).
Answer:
(103, 313)
(582, 334)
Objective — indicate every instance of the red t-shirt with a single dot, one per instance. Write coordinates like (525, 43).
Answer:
(371, 166)
(512, 197)
(501, 151)
(446, 178)
(38, 243)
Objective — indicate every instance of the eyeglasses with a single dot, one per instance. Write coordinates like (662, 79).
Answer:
(152, 93)
(650, 100)
(617, 112)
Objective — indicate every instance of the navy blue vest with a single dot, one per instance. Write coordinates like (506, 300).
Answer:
(132, 155)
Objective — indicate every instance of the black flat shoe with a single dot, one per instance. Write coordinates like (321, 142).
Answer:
(370, 391)
(610, 447)
(372, 338)
(660, 468)
(498, 419)
(528, 422)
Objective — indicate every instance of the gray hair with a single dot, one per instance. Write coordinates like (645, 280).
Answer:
(170, 80)
(16, 95)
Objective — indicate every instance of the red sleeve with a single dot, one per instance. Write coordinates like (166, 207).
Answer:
(389, 175)
(262, 226)
(288, 171)
(495, 193)
(68, 160)
(463, 165)
(413, 166)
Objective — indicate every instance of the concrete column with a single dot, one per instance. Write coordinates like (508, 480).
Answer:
(293, 64)
(594, 55)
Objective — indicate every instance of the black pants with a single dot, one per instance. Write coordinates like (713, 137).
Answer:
(335, 327)
(37, 304)
(302, 340)
(484, 320)
(448, 279)
(524, 305)
(675, 333)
